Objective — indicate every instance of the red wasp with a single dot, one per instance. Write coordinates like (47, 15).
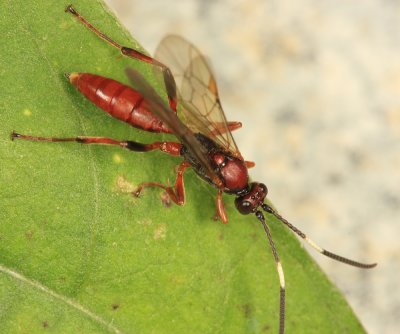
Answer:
(205, 140)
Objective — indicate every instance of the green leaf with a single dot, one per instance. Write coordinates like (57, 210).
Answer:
(79, 254)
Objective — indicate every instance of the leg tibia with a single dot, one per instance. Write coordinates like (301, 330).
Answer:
(176, 193)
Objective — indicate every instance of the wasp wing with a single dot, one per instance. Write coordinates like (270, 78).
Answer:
(185, 135)
(197, 90)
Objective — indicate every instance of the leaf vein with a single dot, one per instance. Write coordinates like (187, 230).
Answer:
(64, 299)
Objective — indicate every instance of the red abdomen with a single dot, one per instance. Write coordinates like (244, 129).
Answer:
(119, 100)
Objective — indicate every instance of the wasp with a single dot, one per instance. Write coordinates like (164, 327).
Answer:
(204, 136)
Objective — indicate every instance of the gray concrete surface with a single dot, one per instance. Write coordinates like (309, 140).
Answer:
(317, 87)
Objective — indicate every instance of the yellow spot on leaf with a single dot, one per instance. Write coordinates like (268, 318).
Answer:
(117, 158)
(27, 112)
(160, 232)
(124, 185)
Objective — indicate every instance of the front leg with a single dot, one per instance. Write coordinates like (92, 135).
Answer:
(221, 212)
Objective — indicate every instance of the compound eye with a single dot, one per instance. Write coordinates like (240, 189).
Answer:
(244, 206)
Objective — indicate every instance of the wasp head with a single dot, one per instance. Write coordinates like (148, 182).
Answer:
(251, 200)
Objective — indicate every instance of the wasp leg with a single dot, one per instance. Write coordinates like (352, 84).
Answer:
(221, 128)
(176, 193)
(220, 209)
(171, 148)
(129, 52)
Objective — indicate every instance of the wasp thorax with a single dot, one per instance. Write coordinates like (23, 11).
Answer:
(249, 202)
(233, 172)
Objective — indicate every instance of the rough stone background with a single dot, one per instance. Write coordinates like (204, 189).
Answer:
(317, 87)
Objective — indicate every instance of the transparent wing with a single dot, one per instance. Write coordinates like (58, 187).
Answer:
(197, 90)
(185, 135)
